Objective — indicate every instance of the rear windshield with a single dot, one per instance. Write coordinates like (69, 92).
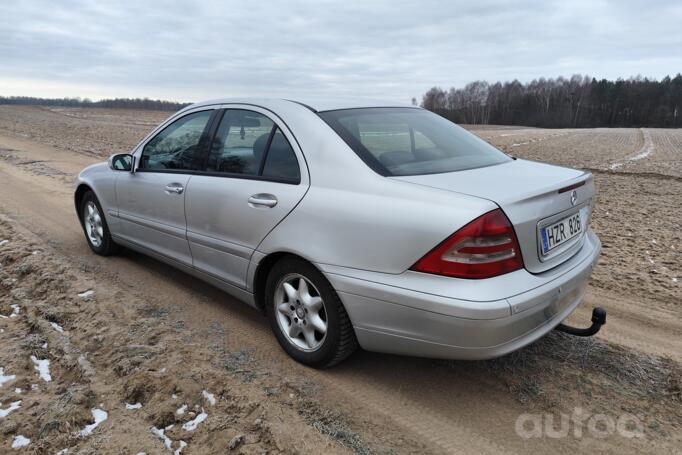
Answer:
(407, 141)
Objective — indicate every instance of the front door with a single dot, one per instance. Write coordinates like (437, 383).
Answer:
(151, 200)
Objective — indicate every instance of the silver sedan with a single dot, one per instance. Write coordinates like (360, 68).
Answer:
(353, 224)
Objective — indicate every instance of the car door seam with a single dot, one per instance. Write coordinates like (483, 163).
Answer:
(184, 211)
(281, 220)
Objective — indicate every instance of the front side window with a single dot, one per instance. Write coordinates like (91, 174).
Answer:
(178, 146)
(408, 141)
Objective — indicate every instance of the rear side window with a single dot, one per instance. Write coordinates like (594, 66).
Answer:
(250, 144)
(178, 146)
(281, 162)
(407, 141)
(240, 142)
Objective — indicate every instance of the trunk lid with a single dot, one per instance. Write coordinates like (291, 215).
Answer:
(533, 195)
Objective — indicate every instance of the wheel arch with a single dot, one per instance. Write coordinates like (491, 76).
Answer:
(263, 270)
(78, 197)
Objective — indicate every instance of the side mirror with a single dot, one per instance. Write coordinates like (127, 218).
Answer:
(122, 162)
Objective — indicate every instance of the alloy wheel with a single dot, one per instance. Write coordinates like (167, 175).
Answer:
(92, 220)
(300, 312)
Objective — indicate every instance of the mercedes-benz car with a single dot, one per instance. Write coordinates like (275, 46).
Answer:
(353, 223)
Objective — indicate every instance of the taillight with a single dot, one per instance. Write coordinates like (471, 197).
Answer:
(484, 248)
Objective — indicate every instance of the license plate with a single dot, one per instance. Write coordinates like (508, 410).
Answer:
(562, 231)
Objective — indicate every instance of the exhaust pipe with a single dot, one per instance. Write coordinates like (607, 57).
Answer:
(598, 320)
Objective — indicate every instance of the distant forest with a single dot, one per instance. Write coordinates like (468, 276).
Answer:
(122, 103)
(577, 102)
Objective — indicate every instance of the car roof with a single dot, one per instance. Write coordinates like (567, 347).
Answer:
(314, 104)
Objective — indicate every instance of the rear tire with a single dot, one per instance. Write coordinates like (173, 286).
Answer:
(306, 315)
(95, 226)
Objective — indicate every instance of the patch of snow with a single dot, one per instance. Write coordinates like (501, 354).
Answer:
(34, 386)
(18, 391)
(181, 410)
(174, 396)
(160, 433)
(20, 441)
(15, 312)
(100, 416)
(8, 378)
(193, 424)
(44, 346)
(209, 396)
(133, 406)
(4, 242)
(178, 451)
(674, 280)
(57, 327)
(168, 442)
(86, 294)
(12, 407)
(646, 151)
(42, 367)
(62, 452)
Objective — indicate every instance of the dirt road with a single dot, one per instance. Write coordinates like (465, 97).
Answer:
(204, 340)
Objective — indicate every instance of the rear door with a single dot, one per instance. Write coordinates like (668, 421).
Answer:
(151, 200)
(254, 176)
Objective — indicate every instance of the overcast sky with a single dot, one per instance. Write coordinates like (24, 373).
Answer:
(393, 50)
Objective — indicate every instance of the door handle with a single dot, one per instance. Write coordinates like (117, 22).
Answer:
(262, 200)
(174, 188)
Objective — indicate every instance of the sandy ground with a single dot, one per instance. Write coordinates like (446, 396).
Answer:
(151, 335)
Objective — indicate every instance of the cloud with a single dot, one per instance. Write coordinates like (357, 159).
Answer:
(386, 49)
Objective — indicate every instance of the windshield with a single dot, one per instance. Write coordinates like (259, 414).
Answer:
(407, 141)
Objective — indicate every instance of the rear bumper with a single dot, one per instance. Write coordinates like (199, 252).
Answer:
(393, 317)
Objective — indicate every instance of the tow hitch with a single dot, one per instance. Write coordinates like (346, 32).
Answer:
(598, 320)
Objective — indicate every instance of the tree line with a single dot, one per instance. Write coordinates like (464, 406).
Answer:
(576, 102)
(122, 103)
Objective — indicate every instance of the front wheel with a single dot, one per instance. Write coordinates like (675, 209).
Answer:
(95, 226)
(307, 315)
